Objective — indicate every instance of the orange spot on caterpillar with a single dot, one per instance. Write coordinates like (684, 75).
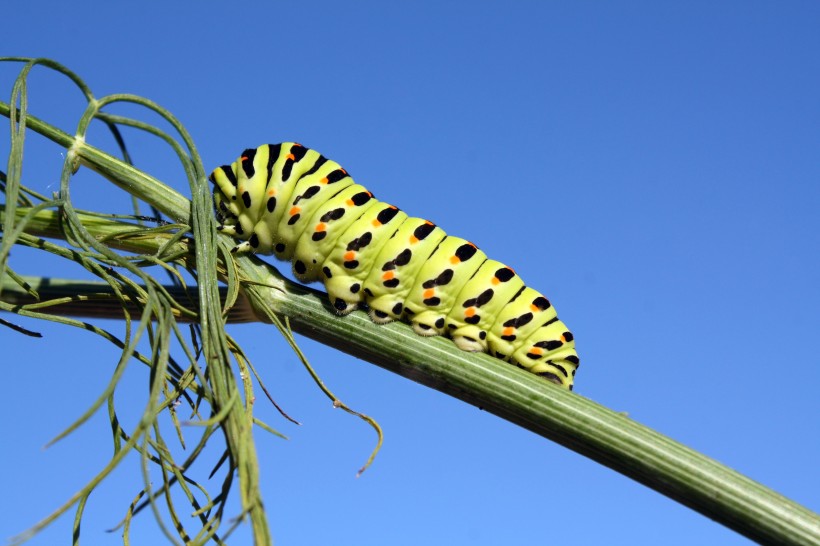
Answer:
(324, 181)
(469, 312)
(271, 192)
(388, 275)
(349, 203)
(350, 256)
(508, 331)
(376, 223)
(495, 280)
(243, 158)
(291, 157)
(321, 226)
(536, 351)
(413, 239)
(563, 339)
(429, 293)
(294, 211)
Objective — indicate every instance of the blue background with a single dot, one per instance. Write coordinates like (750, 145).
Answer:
(652, 167)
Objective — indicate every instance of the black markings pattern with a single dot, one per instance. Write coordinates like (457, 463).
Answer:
(387, 214)
(465, 252)
(424, 230)
(360, 242)
(273, 154)
(247, 161)
(504, 274)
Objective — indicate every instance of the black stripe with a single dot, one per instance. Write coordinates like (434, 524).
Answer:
(247, 161)
(273, 154)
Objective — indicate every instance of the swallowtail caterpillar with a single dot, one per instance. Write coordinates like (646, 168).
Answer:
(292, 202)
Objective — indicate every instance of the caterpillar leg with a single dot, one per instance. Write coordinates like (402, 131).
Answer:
(230, 229)
(242, 248)
(428, 324)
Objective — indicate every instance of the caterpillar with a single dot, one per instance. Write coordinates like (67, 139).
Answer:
(292, 202)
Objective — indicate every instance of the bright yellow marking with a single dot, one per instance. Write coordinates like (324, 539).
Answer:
(294, 211)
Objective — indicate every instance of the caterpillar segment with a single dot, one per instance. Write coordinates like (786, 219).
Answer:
(292, 202)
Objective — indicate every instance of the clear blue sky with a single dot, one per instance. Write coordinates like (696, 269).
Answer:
(652, 167)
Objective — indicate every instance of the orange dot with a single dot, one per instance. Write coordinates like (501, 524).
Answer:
(350, 255)
(321, 226)
(495, 280)
(454, 259)
(536, 351)
(429, 293)
(243, 158)
(413, 239)
(271, 192)
(349, 202)
(376, 223)
(469, 312)
(563, 339)
(291, 157)
(508, 331)
(388, 275)
(294, 211)
(323, 180)
(534, 307)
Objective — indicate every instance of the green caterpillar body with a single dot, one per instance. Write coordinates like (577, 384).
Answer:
(292, 202)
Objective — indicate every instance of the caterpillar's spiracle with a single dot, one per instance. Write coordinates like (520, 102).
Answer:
(292, 202)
